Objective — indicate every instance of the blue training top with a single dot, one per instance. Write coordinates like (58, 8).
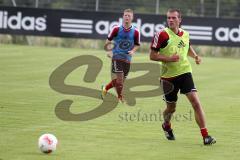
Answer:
(123, 42)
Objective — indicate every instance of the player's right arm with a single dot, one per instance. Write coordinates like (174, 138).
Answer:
(160, 41)
(157, 56)
(108, 46)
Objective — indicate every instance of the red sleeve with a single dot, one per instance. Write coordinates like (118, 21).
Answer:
(113, 33)
(136, 37)
(159, 40)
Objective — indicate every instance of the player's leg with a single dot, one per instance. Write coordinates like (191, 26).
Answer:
(188, 88)
(115, 68)
(110, 85)
(198, 110)
(170, 90)
(119, 86)
(105, 88)
(126, 69)
(167, 115)
(118, 75)
(200, 118)
(168, 112)
(117, 82)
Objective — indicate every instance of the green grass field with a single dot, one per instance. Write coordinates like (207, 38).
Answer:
(27, 105)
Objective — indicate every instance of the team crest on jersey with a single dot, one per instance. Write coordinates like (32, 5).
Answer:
(125, 45)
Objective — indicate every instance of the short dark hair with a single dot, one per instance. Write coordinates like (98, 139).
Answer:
(176, 10)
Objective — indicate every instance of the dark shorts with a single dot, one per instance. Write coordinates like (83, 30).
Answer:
(119, 66)
(171, 86)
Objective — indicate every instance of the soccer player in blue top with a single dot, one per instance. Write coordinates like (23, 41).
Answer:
(126, 39)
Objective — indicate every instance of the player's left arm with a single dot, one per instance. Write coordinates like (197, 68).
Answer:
(193, 54)
(136, 42)
(133, 51)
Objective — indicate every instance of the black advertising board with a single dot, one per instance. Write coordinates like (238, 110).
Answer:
(96, 25)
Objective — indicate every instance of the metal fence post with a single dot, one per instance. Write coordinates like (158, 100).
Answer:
(14, 3)
(202, 7)
(218, 9)
(97, 5)
(157, 7)
(36, 3)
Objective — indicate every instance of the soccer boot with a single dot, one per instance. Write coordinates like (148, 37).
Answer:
(168, 133)
(209, 140)
(104, 92)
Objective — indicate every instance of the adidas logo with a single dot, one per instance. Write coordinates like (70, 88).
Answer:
(181, 44)
(17, 22)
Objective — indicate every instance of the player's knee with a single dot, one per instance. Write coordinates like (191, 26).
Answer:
(171, 105)
(171, 108)
(119, 82)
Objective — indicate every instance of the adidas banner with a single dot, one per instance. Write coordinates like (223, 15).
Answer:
(96, 25)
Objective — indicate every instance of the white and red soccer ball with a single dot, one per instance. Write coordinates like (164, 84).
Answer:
(47, 143)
